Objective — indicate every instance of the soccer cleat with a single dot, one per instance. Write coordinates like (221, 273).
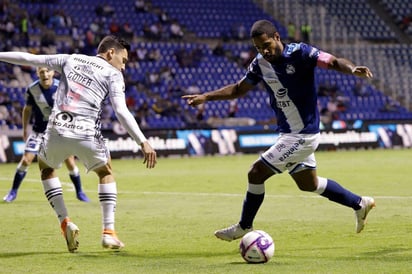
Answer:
(367, 203)
(81, 196)
(110, 240)
(232, 232)
(10, 197)
(70, 232)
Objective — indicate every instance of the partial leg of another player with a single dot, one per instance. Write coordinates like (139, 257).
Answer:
(19, 175)
(75, 178)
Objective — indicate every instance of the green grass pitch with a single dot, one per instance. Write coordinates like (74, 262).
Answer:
(167, 216)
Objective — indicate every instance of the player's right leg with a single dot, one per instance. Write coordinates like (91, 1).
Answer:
(53, 151)
(19, 175)
(30, 151)
(255, 194)
(54, 194)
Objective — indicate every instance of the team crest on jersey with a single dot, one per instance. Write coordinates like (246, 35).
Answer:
(290, 69)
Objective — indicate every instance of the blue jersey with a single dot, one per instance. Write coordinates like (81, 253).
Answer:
(290, 83)
(41, 100)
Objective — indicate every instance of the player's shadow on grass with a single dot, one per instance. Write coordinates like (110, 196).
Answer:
(395, 254)
(121, 253)
(6, 255)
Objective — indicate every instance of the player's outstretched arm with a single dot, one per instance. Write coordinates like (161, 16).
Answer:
(346, 66)
(228, 92)
(23, 58)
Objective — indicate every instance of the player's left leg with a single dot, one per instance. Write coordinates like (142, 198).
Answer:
(307, 180)
(107, 191)
(31, 148)
(96, 156)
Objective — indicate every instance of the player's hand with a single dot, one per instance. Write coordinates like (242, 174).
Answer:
(362, 71)
(194, 100)
(150, 158)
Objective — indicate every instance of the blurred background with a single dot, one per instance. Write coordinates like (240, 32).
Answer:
(189, 46)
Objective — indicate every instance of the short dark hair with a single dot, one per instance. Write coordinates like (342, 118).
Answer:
(111, 41)
(263, 27)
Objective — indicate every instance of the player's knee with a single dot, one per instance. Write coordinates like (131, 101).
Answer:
(26, 161)
(47, 173)
(257, 175)
(104, 171)
(306, 186)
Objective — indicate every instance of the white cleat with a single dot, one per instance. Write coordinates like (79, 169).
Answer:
(70, 233)
(367, 203)
(110, 240)
(232, 232)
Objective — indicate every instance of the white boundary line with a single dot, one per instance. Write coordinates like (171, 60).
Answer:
(280, 196)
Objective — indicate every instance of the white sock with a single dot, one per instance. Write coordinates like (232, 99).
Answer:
(108, 199)
(75, 171)
(256, 189)
(54, 194)
(22, 168)
(322, 183)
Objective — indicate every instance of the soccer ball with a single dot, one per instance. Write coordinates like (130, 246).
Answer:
(257, 247)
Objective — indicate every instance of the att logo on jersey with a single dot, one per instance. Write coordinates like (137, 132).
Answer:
(280, 93)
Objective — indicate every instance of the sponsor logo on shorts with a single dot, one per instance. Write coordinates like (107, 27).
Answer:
(291, 150)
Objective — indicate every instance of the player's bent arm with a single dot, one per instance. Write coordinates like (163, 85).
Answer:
(26, 114)
(328, 61)
(127, 120)
(23, 58)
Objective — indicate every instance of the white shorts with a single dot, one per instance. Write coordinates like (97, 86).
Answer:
(293, 152)
(55, 148)
(33, 142)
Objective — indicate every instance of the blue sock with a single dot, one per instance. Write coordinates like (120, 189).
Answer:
(76, 182)
(18, 178)
(251, 206)
(338, 194)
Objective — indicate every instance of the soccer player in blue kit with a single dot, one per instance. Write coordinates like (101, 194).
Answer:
(288, 72)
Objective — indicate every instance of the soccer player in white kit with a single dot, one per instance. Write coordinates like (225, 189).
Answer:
(287, 71)
(74, 127)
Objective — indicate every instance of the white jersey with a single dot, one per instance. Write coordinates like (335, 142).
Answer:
(89, 79)
(86, 81)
